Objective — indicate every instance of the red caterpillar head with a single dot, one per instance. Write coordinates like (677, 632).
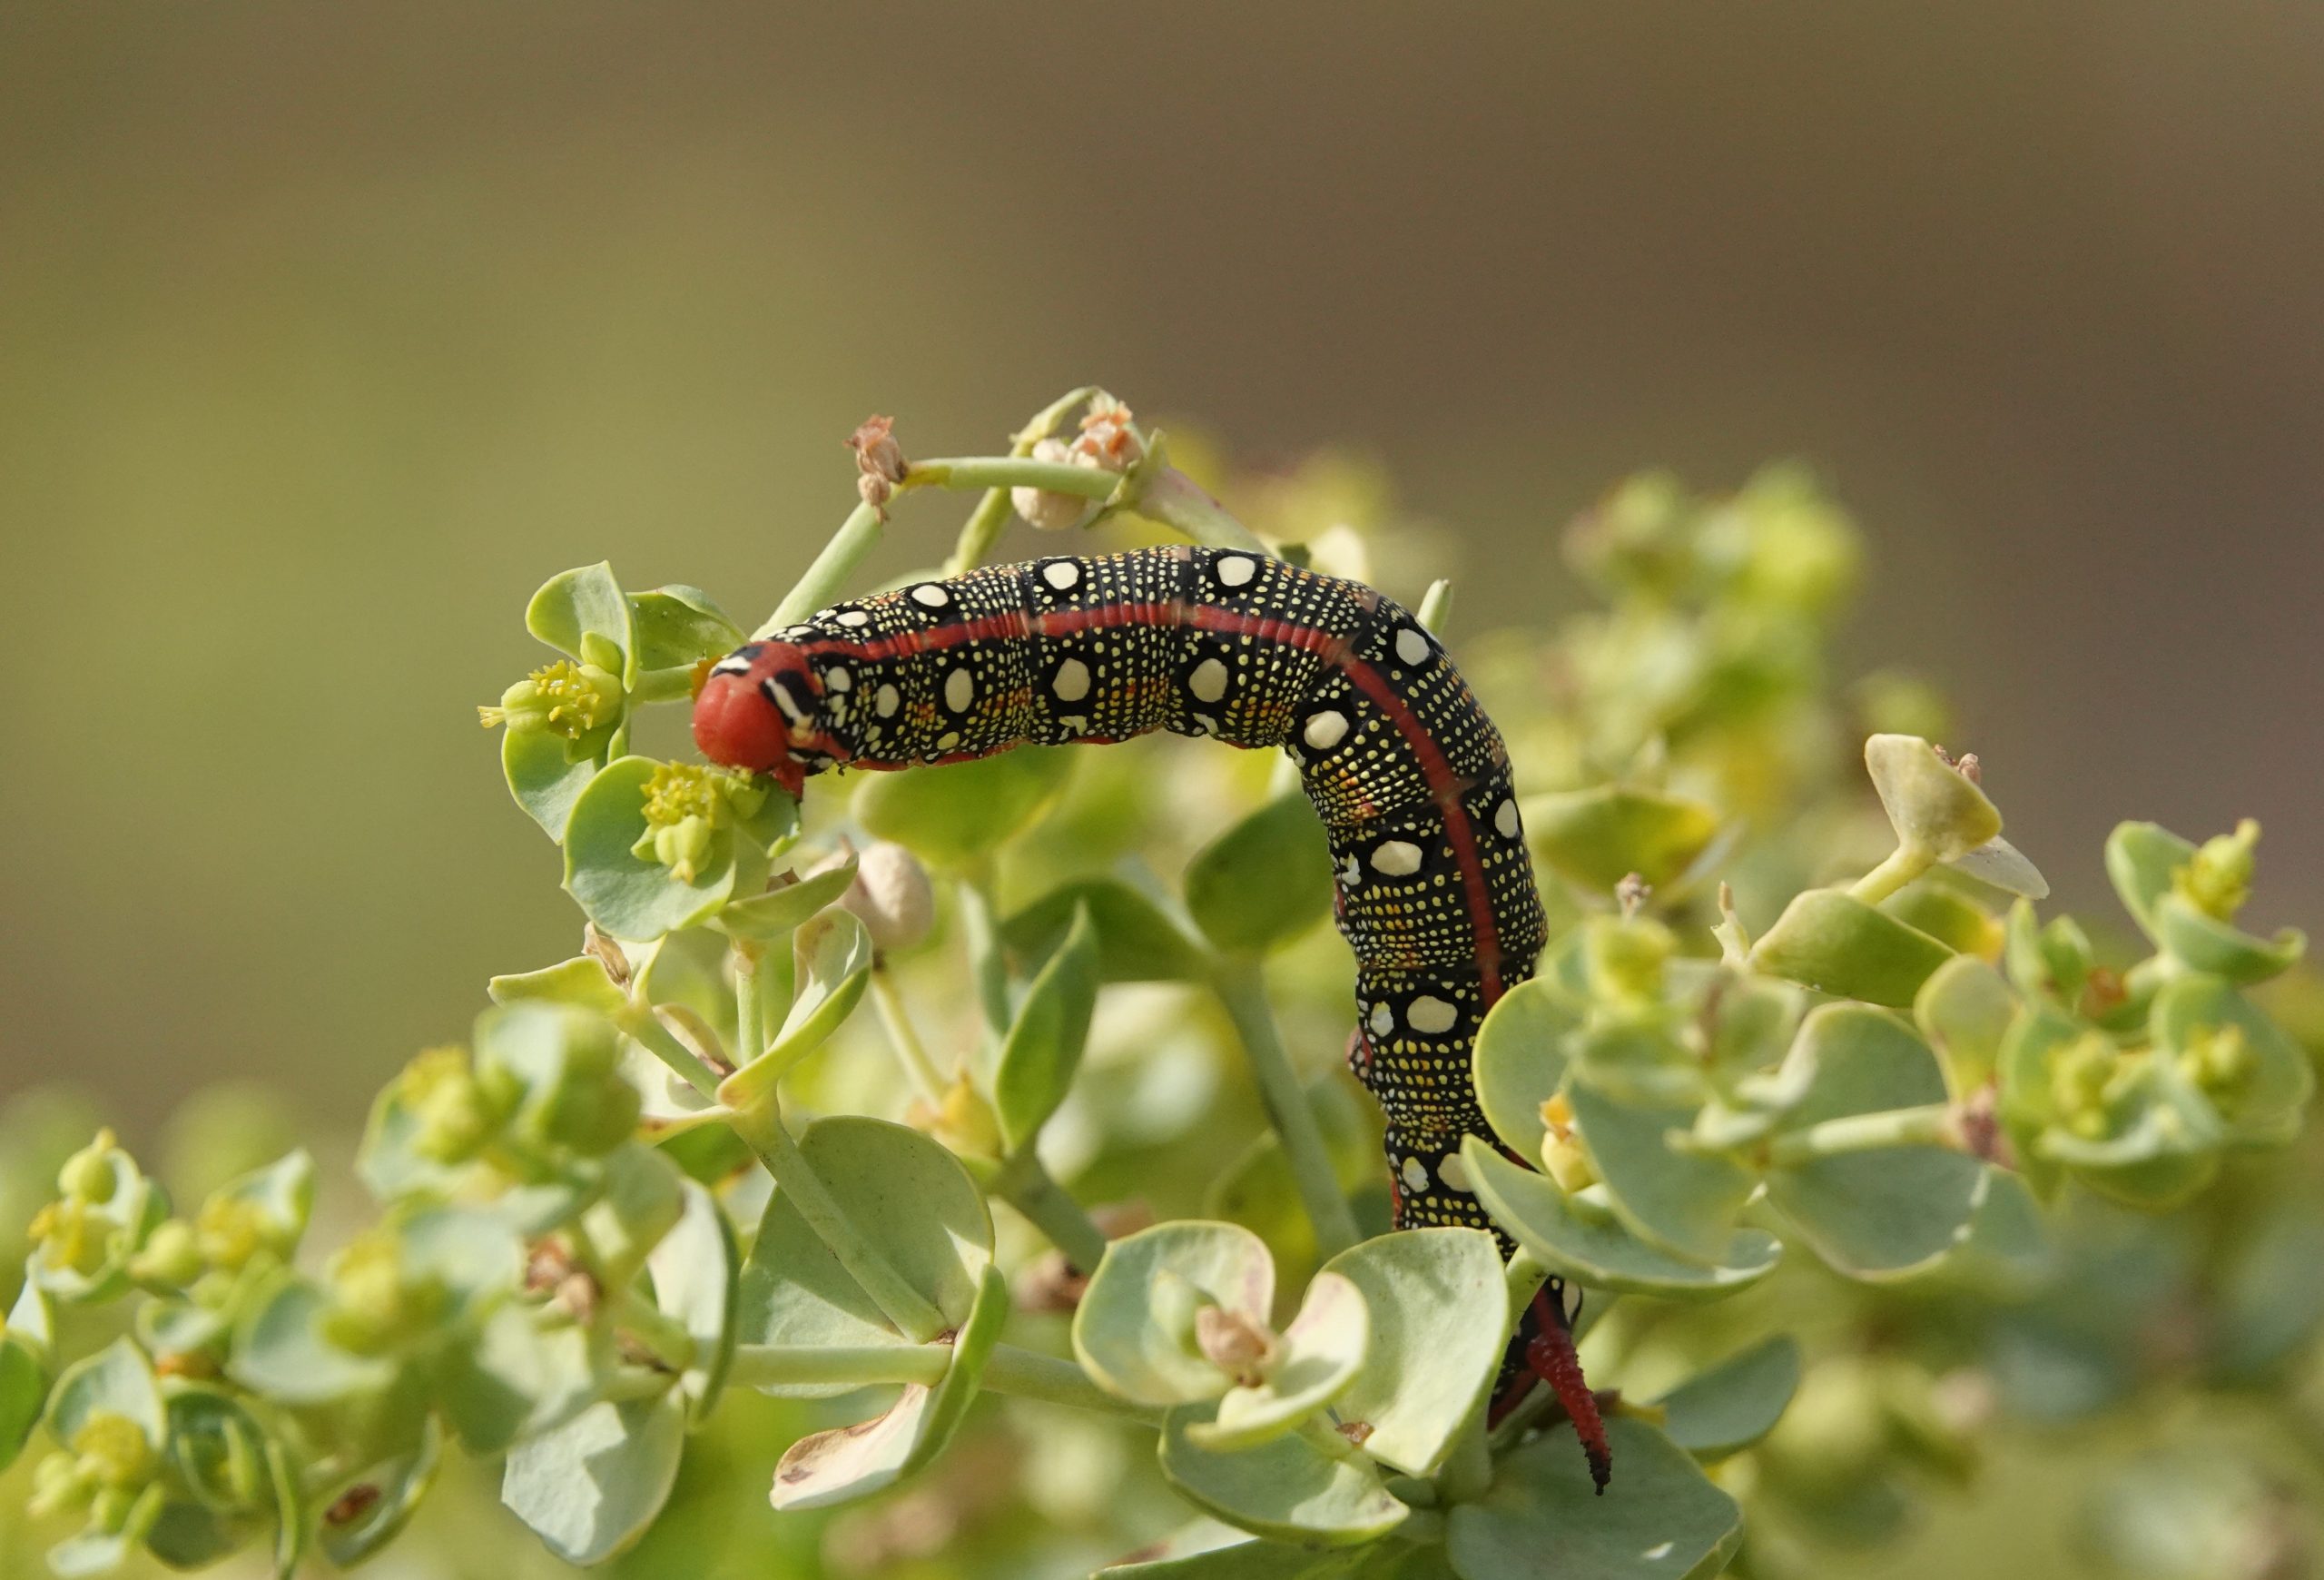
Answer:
(762, 708)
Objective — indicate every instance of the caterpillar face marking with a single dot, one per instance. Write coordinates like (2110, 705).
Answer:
(1433, 886)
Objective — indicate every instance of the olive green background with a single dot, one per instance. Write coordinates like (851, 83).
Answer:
(328, 332)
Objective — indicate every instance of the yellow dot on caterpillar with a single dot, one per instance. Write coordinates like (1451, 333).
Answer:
(1430, 1015)
(1396, 857)
(838, 680)
(1236, 570)
(854, 617)
(948, 740)
(1208, 682)
(1073, 683)
(1325, 730)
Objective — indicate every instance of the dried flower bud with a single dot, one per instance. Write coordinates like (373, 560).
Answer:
(891, 897)
(1233, 1343)
(1108, 439)
(1045, 509)
(601, 948)
(876, 453)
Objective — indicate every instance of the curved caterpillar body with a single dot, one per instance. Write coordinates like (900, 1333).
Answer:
(1434, 889)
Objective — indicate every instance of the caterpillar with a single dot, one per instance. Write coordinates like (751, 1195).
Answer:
(1435, 890)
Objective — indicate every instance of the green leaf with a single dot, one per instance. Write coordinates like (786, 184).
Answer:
(1438, 1311)
(852, 1462)
(1251, 1561)
(23, 1392)
(118, 1380)
(948, 815)
(1595, 838)
(1964, 1010)
(1887, 1213)
(1946, 915)
(1683, 1202)
(833, 967)
(2203, 942)
(1589, 1245)
(280, 1350)
(582, 613)
(95, 1552)
(1830, 941)
(2001, 863)
(581, 981)
(547, 774)
(1134, 1331)
(697, 1272)
(591, 1487)
(520, 1373)
(1660, 1520)
(2141, 859)
(1286, 1489)
(1264, 881)
(1322, 1350)
(1520, 1059)
(1044, 1045)
(1138, 938)
(628, 895)
(643, 1198)
(366, 1511)
(770, 917)
(677, 627)
(1932, 806)
(904, 1193)
(1735, 1403)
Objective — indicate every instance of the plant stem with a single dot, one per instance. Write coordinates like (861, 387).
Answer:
(639, 1021)
(1435, 607)
(856, 538)
(1009, 471)
(1903, 864)
(760, 1124)
(1931, 1125)
(1179, 503)
(817, 1364)
(1526, 1276)
(656, 1332)
(1242, 990)
(990, 517)
(1028, 1187)
(909, 1051)
(1028, 1376)
(750, 1015)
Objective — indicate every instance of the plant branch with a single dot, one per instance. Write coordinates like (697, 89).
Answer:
(990, 517)
(1931, 1125)
(1028, 1376)
(1242, 990)
(638, 1020)
(1903, 865)
(1029, 1187)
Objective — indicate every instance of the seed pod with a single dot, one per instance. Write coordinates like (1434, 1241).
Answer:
(891, 897)
(1043, 509)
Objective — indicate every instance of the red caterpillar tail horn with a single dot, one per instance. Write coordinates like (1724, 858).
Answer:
(1552, 1357)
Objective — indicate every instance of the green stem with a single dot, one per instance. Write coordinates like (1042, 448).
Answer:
(1242, 990)
(1027, 1376)
(990, 517)
(1435, 607)
(817, 1364)
(856, 538)
(760, 1124)
(910, 1052)
(1179, 503)
(1904, 863)
(1029, 1188)
(750, 1012)
(639, 1021)
(1931, 1125)
(1524, 1275)
(1009, 471)
(657, 1332)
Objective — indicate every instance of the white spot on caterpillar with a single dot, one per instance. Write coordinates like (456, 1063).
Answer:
(838, 680)
(1504, 818)
(855, 616)
(1205, 723)
(1072, 682)
(1383, 1018)
(1236, 570)
(1399, 858)
(960, 690)
(1412, 646)
(1430, 1015)
(781, 696)
(887, 701)
(1415, 1173)
(928, 596)
(1077, 723)
(1454, 1173)
(737, 664)
(1062, 575)
(1325, 730)
(1208, 682)
(1351, 873)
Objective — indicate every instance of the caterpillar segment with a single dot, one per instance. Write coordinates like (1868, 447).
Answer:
(1434, 889)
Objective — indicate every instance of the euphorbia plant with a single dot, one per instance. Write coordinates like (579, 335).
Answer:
(753, 1134)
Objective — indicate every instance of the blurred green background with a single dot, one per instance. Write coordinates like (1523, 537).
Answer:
(326, 332)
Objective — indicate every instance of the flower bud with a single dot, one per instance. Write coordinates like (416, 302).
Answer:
(1233, 1343)
(1563, 1157)
(229, 1231)
(1045, 509)
(962, 1120)
(690, 811)
(564, 698)
(2221, 1061)
(2081, 1082)
(70, 1236)
(456, 1118)
(172, 1258)
(1626, 956)
(891, 897)
(373, 1303)
(2217, 880)
(88, 1174)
